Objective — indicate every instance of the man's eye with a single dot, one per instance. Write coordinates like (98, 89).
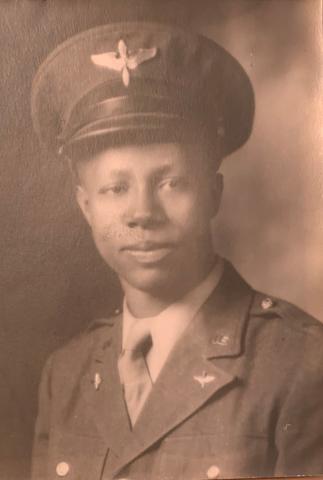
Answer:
(171, 183)
(117, 189)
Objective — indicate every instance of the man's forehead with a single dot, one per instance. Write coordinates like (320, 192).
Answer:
(152, 156)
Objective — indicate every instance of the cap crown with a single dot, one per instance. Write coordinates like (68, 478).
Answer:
(130, 76)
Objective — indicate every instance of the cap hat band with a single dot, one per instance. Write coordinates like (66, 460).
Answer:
(128, 112)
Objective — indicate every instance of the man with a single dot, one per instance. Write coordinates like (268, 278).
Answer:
(200, 376)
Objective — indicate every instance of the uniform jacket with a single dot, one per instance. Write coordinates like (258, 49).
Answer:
(241, 394)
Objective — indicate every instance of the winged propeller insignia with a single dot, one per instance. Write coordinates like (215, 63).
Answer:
(204, 379)
(123, 60)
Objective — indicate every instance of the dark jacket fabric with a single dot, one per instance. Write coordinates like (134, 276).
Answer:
(241, 394)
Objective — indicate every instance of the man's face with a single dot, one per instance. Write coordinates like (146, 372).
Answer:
(149, 208)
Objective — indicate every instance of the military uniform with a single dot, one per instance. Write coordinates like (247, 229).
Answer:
(240, 396)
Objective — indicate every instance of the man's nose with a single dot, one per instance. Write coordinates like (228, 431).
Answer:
(144, 210)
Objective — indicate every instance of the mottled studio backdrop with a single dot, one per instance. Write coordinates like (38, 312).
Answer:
(52, 281)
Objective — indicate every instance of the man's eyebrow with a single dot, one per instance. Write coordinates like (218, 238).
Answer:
(166, 168)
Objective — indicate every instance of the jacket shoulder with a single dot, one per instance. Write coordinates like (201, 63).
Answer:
(285, 315)
(80, 346)
(286, 341)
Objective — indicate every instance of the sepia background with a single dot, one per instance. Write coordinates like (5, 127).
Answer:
(52, 282)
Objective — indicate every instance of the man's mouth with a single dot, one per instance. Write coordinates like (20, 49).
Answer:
(149, 252)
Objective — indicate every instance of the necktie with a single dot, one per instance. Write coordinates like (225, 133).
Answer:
(133, 371)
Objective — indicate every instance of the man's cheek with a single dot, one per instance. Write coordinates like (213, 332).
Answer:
(121, 235)
(194, 223)
(107, 227)
(181, 213)
(113, 233)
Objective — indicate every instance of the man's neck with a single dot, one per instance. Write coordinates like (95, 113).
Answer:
(149, 303)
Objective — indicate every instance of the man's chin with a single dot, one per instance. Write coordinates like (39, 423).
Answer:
(153, 281)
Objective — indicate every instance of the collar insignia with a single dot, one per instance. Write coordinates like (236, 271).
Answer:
(204, 379)
(123, 60)
(97, 381)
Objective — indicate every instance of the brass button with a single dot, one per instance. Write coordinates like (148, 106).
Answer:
(62, 469)
(213, 472)
(266, 303)
(117, 311)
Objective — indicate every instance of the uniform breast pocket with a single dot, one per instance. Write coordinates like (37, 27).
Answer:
(204, 457)
(76, 457)
(189, 458)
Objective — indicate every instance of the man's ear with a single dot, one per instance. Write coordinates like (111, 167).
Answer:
(83, 201)
(217, 191)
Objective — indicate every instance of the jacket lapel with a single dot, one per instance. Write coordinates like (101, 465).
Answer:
(191, 371)
(102, 390)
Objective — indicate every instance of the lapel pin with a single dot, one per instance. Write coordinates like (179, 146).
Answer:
(222, 340)
(204, 379)
(97, 381)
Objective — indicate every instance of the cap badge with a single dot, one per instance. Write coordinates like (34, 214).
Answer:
(123, 60)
